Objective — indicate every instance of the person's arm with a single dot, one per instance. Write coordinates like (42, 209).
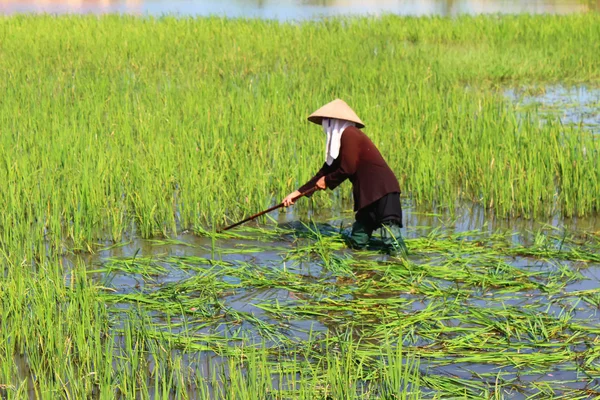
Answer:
(307, 186)
(313, 181)
(349, 154)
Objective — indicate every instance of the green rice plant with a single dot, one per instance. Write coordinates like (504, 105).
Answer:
(84, 340)
(115, 124)
(117, 127)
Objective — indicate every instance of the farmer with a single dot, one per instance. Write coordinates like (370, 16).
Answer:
(350, 154)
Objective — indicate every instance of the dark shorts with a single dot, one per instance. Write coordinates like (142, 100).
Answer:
(387, 210)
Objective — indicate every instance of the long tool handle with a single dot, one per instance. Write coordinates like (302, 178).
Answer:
(308, 192)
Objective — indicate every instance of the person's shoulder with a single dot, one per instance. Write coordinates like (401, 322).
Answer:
(352, 132)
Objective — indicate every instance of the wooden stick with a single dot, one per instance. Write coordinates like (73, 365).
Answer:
(308, 192)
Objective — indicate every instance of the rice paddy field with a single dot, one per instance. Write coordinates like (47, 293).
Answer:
(127, 142)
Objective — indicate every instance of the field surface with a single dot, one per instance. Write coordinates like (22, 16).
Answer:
(125, 142)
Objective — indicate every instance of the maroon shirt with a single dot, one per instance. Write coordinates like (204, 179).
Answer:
(360, 161)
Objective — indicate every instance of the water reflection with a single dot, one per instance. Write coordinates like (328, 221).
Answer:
(297, 9)
(71, 6)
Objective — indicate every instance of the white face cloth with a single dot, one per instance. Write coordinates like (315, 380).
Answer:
(334, 128)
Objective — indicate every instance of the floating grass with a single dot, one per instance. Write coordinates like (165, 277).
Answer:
(464, 303)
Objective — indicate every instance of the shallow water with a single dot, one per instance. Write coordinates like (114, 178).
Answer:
(296, 9)
(285, 303)
(577, 106)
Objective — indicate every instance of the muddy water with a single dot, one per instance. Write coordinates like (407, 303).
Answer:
(296, 9)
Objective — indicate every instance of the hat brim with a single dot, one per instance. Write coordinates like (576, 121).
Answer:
(319, 121)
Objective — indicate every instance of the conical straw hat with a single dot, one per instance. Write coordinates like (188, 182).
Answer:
(336, 109)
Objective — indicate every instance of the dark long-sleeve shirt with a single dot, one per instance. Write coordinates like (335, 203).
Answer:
(360, 161)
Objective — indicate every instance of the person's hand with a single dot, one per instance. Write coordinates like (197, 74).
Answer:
(289, 199)
(321, 183)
